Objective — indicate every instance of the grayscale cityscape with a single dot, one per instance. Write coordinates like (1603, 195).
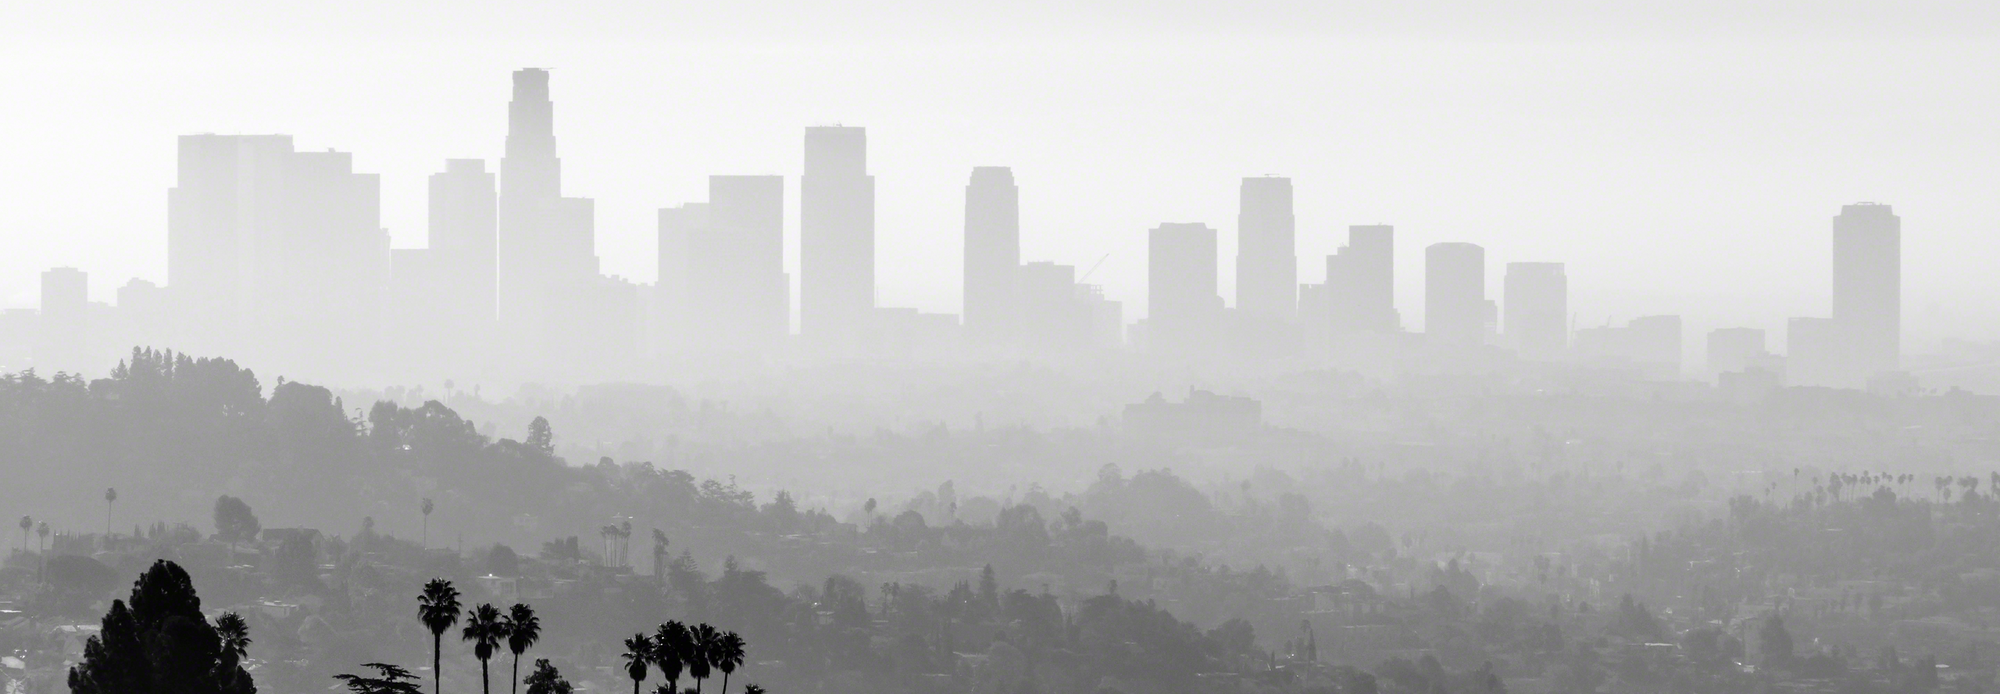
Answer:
(1550, 349)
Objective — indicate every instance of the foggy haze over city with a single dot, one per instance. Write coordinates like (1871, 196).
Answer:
(1000, 348)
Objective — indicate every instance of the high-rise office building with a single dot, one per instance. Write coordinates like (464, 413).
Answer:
(1868, 287)
(464, 209)
(1816, 355)
(1267, 262)
(836, 241)
(227, 192)
(1537, 310)
(1054, 316)
(737, 288)
(546, 255)
(1656, 346)
(64, 322)
(992, 255)
(1455, 295)
(1361, 282)
(670, 327)
(274, 254)
(1184, 308)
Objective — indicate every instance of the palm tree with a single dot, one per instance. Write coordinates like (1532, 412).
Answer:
(27, 524)
(523, 630)
(701, 644)
(669, 652)
(427, 522)
(638, 650)
(727, 656)
(438, 609)
(485, 627)
(235, 636)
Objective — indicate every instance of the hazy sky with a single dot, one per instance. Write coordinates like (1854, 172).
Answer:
(1680, 159)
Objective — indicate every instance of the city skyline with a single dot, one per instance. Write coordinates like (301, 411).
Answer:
(1414, 177)
(280, 251)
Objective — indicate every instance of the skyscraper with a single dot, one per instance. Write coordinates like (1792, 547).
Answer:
(836, 240)
(546, 256)
(1537, 310)
(64, 322)
(1361, 281)
(463, 228)
(274, 254)
(671, 327)
(442, 297)
(992, 255)
(1267, 262)
(737, 289)
(1184, 307)
(1868, 287)
(226, 191)
(1455, 295)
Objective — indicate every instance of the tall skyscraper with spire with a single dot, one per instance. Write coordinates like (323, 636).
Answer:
(1267, 261)
(836, 241)
(546, 249)
(992, 255)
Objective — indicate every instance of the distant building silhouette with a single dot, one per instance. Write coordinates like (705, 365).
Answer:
(837, 241)
(1185, 309)
(1361, 282)
(273, 254)
(1657, 345)
(65, 323)
(1267, 263)
(547, 259)
(1647, 346)
(464, 231)
(1733, 350)
(1868, 287)
(672, 324)
(441, 311)
(1537, 310)
(1455, 295)
(1816, 354)
(993, 256)
(1203, 417)
(737, 288)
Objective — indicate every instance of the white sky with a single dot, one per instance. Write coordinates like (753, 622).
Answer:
(1683, 159)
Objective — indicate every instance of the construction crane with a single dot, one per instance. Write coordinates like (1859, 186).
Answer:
(1093, 268)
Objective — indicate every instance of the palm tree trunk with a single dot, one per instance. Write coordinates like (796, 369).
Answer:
(517, 673)
(485, 683)
(697, 685)
(437, 650)
(725, 683)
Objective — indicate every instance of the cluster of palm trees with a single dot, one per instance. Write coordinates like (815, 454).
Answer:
(485, 627)
(700, 651)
